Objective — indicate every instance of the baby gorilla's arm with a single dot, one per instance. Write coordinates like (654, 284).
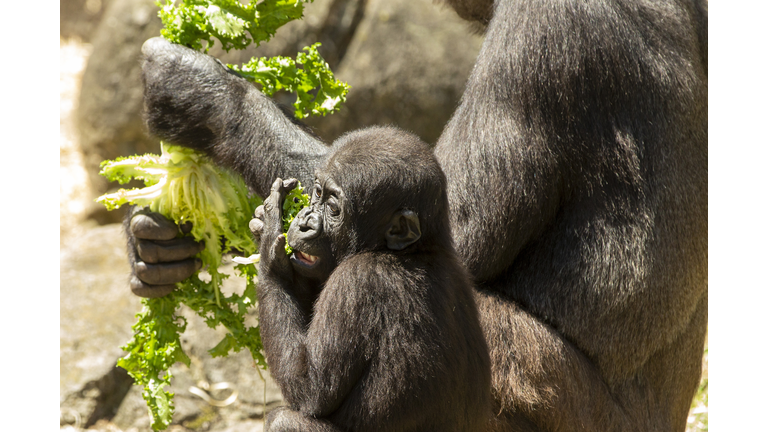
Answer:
(315, 356)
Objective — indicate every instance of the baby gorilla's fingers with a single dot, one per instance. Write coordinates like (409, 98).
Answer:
(257, 227)
(259, 212)
(278, 260)
(158, 251)
(273, 202)
(273, 210)
(257, 223)
(278, 247)
(289, 184)
(142, 289)
(168, 273)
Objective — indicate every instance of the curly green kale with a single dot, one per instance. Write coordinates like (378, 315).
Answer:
(232, 23)
(295, 200)
(236, 25)
(185, 186)
(283, 73)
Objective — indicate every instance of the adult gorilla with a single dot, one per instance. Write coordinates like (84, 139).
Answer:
(577, 182)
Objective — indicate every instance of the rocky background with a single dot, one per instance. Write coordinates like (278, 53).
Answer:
(407, 62)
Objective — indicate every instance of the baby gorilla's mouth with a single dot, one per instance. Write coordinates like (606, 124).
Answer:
(305, 258)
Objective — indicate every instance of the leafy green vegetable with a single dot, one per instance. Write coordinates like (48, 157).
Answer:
(236, 25)
(295, 200)
(282, 73)
(185, 186)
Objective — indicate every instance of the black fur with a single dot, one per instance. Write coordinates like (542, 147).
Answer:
(388, 340)
(576, 167)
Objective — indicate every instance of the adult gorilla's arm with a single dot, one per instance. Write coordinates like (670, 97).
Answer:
(192, 99)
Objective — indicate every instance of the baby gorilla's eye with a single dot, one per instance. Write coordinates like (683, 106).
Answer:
(318, 192)
(333, 208)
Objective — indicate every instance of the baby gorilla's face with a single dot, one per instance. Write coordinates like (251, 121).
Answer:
(317, 234)
(366, 197)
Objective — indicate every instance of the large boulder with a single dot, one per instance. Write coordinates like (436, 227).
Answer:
(79, 18)
(407, 64)
(108, 116)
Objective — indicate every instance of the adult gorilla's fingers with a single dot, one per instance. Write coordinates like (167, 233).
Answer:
(154, 46)
(178, 249)
(153, 226)
(142, 289)
(159, 50)
(186, 227)
(168, 273)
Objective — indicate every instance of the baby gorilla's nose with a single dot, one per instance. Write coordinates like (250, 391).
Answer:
(310, 223)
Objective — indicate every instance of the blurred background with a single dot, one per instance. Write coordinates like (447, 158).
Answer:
(407, 62)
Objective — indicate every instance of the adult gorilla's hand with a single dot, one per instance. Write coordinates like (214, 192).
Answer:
(159, 257)
(191, 99)
(186, 94)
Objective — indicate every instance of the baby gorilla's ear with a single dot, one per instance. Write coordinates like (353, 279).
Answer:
(403, 230)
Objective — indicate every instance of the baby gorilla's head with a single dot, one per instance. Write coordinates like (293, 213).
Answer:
(380, 190)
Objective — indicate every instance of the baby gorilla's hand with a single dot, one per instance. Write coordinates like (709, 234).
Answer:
(267, 227)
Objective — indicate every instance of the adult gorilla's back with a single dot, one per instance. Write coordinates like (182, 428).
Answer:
(577, 174)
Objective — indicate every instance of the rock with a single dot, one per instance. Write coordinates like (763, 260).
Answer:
(407, 64)
(79, 18)
(96, 313)
(109, 110)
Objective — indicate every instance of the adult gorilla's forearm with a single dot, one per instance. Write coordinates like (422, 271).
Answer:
(193, 100)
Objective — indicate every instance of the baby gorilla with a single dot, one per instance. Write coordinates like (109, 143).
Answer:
(370, 325)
